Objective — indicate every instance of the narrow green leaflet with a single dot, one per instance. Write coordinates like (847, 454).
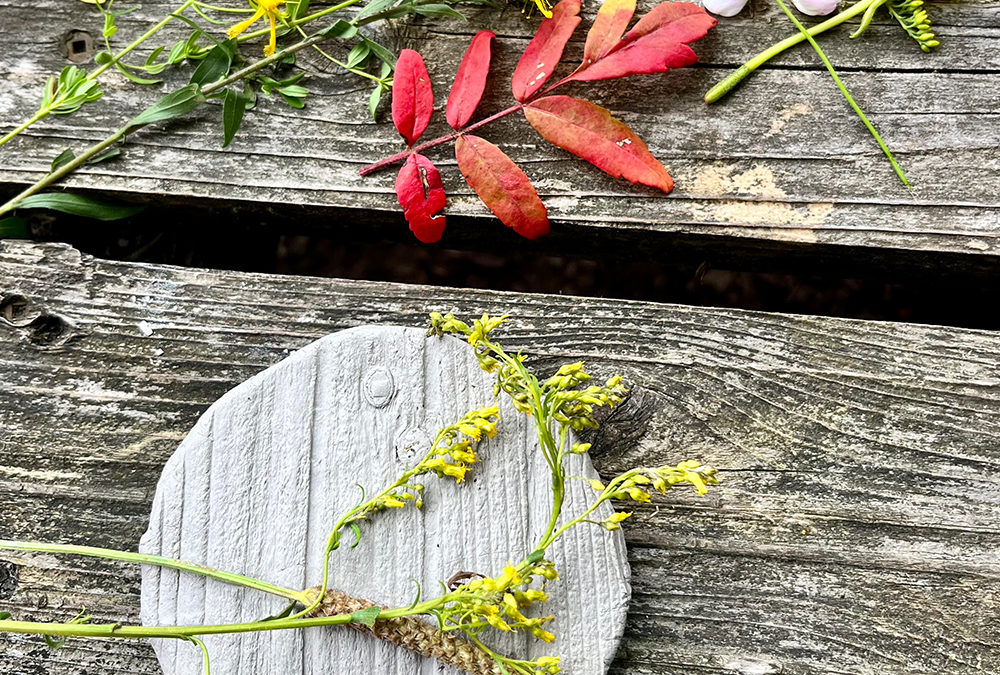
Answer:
(78, 205)
(174, 104)
(64, 157)
(234, 104)
(366, 616)
(438, 10)
(216, 65)
(341, 29)
(374, 7)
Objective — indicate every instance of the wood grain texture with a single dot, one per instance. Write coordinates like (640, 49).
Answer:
(856, 530)
(781, 163)
(269, 467)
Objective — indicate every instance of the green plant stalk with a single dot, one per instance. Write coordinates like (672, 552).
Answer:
(97, 72)
(157, 561)
(847, 95)
(725, 86)
(97, 149)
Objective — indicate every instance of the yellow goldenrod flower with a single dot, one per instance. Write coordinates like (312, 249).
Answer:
(268, 8)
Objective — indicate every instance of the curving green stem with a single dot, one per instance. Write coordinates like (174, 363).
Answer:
(728, 84)
(97, 72)
(847, 95)
(157, 561)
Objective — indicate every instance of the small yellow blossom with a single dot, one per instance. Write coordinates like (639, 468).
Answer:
(268, 8)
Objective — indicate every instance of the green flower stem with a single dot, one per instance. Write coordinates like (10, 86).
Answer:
(97, 72)
(97, 149)
(728, 84)
(843, 90)
(155, 560)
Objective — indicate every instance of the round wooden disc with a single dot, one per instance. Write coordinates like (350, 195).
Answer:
(266, 471)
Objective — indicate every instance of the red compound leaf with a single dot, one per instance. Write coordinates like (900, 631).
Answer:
(470, 81)
(412, 96)
(658, 42)
(421, 194)
(502, 186)
(545, 50)
(609, 26)
(590, 132)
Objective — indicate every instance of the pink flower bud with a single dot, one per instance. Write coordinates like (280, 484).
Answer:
(816, 7)
(724, 7)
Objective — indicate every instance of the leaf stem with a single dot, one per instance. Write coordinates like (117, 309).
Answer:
(94, 150)
(847, 95)
(725, 86)
(97, 72)
(157, 561)
(401, 156)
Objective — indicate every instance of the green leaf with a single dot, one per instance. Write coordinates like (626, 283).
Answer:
(64, 157)
(358, 54)
(78, 205)
(4, 615)
(366, 616)
(53, 643)
(101, 58)
(216, 65)
(381, 52)
(174, 104)
(233, 106)
(374, 99)
(374, 7)
(133, 77)
(341, 29)
(155, 54)
(104, 156)
(357, 535)
(300, 9)
(14, 227)
(438, 10)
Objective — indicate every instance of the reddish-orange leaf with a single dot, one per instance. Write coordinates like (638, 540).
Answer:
(470, 81)
(412, 97)
(545, 49)
(609, 26)
(589, 131)
(657, 43)
(502, 186)
(421, 194)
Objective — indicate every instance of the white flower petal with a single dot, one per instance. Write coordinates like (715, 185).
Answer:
(725, 7)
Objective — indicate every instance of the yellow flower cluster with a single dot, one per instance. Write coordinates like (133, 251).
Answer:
(499, 601)
(454, 449)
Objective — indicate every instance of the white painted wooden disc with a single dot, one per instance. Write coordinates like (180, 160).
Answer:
(257, 484)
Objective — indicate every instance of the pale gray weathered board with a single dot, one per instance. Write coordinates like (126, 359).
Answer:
(782, 163)
(266, 471)
(856, 529)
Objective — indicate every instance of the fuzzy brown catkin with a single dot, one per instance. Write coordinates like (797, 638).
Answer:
(411, 633)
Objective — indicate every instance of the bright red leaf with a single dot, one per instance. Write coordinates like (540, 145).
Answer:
(421, 194)
(412, 97)
(657, 43)
(590, 132)
(470, 81)
(502, 186)
(609, 26)
(545, 50)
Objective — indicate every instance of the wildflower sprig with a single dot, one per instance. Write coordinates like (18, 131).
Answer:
(465, 616)
(450, 456)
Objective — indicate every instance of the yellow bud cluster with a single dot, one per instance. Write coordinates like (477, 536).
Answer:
(453, 452)
(662, 479)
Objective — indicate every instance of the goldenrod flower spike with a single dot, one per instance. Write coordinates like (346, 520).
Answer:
(268, 8)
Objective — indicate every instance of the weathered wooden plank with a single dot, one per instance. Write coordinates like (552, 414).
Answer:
(855, 530)
(783, 162)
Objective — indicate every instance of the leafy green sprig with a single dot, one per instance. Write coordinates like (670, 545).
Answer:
(560, 404)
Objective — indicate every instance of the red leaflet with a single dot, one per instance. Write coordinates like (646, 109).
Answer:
(609, 26)
(589, 131)
(502, 186)
(470, 81)
(421, 194)
(657, 43)
(412, 97)
(545, 49)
